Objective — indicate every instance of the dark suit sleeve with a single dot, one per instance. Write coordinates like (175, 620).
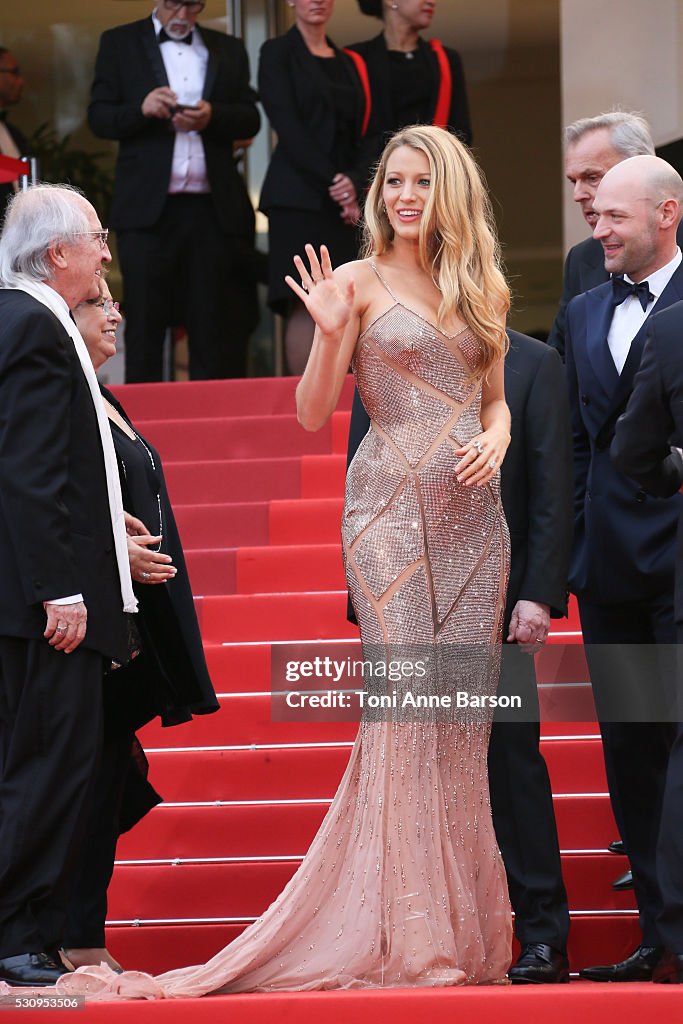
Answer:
(580, 438)
(238, 116)
(549, 486)
(360, 424)
(36, 378)
(460, 111)
(640, 448)
(283, 109)
(569, 290)
(112, 113)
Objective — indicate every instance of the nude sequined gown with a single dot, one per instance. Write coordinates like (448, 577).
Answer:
(403, 884)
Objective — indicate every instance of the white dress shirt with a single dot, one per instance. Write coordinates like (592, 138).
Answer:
(186, 72)
(629, 316)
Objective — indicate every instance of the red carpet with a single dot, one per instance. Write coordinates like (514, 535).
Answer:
(258, 502)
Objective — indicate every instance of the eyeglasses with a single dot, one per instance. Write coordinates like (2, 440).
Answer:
(193, 6)
(108, 306)
(11, 71)
(101, 236)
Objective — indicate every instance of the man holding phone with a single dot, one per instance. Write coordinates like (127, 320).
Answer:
(176, 97)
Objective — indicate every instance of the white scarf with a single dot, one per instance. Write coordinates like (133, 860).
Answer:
(49, 297)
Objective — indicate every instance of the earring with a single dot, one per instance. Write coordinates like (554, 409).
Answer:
(394, 7)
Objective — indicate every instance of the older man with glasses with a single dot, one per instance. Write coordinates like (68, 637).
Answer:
(65, 584)
(176, 96)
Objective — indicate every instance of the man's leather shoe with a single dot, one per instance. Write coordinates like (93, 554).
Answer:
(31, 969)
(669, 970)
(617, 846)
(639, 966)
(539, 964)
(623, 882)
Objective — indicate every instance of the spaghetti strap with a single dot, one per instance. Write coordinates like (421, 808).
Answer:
(393, 295)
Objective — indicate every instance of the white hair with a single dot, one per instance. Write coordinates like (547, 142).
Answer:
(629, 132)
(36, 220)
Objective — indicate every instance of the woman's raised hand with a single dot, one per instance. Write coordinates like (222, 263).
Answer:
(329, 304)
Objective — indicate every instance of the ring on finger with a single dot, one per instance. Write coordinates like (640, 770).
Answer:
(145, 575)
(61, 628)
(479, 446)
(539, 640)
(492, 463)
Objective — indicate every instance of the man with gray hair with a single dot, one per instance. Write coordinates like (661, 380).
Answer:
(593, 145)
(64, 579)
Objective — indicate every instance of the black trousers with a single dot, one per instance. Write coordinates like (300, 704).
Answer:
(50, 742)
(186, 270)
(670, 843)
(523, 814)
(636, 752)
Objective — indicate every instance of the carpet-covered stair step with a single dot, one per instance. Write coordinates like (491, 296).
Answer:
(287, 521)
(286, 828)
(242, 437)
(254, 718)
(300, 772)
(221, 481)
(258, 396)
(593, 938)
(249, 666)
(264, 569)
(245, 889)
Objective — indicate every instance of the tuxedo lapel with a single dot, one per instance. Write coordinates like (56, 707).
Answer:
(212, 65)
(599, 311)
(672, 293)
(153, 51)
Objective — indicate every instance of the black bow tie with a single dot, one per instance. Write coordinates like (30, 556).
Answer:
(164, 37)
(622, 289)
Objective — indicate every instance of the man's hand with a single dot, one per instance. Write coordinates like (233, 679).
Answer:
(159, 103)
(193, 120)
(66, 625)
(529, 625)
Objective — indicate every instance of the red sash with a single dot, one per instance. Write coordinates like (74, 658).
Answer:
(361, 68)
(443, 102)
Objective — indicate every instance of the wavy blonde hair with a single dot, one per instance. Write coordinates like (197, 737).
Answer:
(458, 246)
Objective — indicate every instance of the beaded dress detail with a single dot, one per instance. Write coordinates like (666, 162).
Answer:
(404, 884)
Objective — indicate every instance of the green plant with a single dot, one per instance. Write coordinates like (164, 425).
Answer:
(60, 162)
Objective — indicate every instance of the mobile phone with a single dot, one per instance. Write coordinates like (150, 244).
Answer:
(179, 107)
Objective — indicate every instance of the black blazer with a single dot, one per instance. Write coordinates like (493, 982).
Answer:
(653, 422)
(55, 528)
(129, 65)
(375, 54)
(172, 680)
(584, 268)
(623, 539)
(536, 476)
(297, 97)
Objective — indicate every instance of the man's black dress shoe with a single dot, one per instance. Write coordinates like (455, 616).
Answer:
(623, 882)
(617, 846)
(669, 970)
(539, 964)
(29, 969)
(639, 966)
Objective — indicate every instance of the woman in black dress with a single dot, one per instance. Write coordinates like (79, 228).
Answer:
(412, 81)
(167, 678)
(317, 176)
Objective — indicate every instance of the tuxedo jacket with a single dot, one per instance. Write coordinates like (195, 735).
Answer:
(653, 422)
(375, 54)
(297, 97)
(584, 268)
(55, 527)
(536, 475)
(129, 65)
(624, 538)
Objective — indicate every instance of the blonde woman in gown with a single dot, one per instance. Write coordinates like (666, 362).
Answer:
(403, 884)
